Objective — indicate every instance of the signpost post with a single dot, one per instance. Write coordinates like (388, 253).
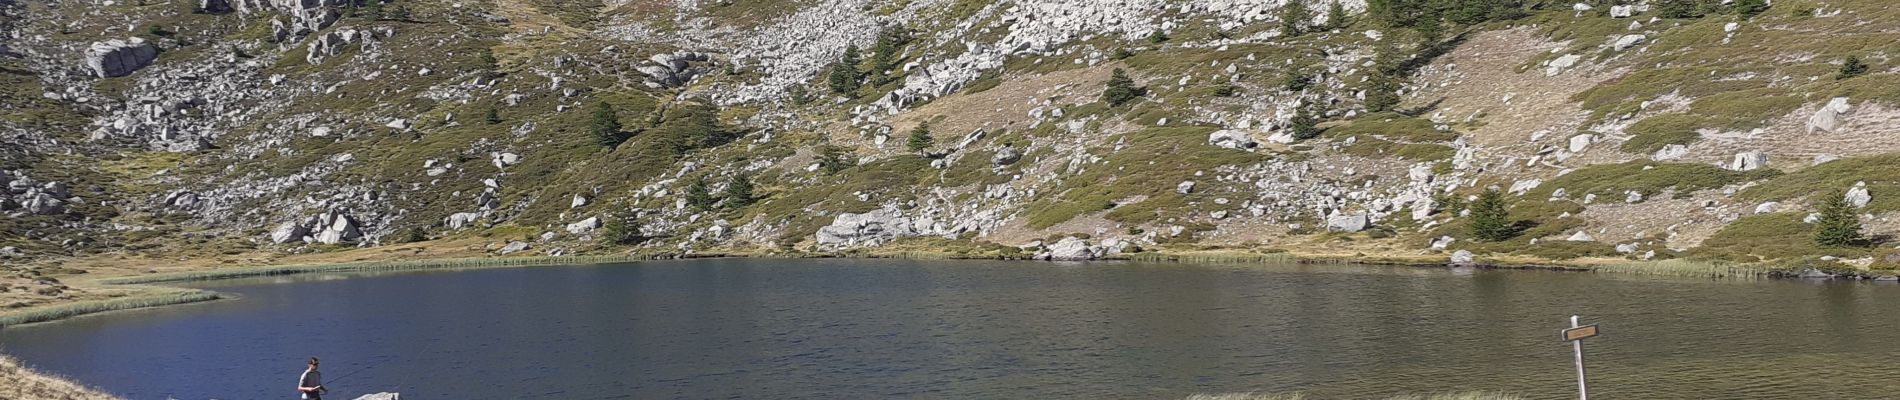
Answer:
(1575, 335)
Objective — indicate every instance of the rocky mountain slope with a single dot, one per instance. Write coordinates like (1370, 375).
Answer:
(245, 130)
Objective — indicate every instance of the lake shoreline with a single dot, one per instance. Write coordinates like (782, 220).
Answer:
(156, 292)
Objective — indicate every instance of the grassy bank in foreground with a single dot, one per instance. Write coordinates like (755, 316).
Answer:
(1296, 396)
(370, 266)
(19, 382)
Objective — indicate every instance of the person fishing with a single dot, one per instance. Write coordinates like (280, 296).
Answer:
(310, 385)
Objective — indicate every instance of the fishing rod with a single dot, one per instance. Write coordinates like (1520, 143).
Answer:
(325, 386)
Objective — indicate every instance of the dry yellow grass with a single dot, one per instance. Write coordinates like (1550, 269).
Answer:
(19, 382)
(1297, 396)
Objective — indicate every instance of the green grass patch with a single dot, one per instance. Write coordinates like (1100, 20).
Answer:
(1376, 148)
(1653, 133)
(1155, 160)
(68, 310)
(1687, 269)
(1646, 177)
(1392, 126)
(1881, 172)
(1766, 237)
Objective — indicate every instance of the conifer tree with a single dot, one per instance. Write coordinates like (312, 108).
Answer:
(845, 77)
(920, 138)
(606, 125)
(739, 192)
(1336, 15)
(1293, 18)
(1838, 225)
(698, 198)
(1121, 89)
(1851, 68)
(1490, 221)
(622, 230)
(831, 159)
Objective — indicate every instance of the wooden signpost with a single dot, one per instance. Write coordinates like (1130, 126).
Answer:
(1575, 335)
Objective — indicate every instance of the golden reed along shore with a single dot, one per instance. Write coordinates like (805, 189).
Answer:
(19, 382)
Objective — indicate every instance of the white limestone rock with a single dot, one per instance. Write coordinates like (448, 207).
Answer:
(584, 226)
(1748, 161)
(1231, 139)
(1581, 236)
(1858, 195)
(1828, 118)
(1348, 223)
(119, 57)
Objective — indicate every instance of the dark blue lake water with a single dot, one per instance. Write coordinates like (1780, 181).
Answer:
(866, 329)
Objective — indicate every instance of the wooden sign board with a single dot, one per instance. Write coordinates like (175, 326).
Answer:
(1580, 333)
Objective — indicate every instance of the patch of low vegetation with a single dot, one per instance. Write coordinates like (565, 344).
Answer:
(1653, 133)
(19, 382)
(1149, 168)
(1881, 173)
(1647, 177)
(1767, 237)
(1376, 148)
(1297, 396)
(1392, 126)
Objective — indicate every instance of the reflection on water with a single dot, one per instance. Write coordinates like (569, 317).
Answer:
(790, 329)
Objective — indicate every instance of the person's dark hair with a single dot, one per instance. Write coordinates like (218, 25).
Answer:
(313, 361)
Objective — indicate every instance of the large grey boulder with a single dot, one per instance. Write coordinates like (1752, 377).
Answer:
(214, 6)
(1558, 65)
(119, 57)
(1748, 161)
(584, 226)
(1858, 195)
(672, 70)
(287, 232)
(1580, 142)
(1670, 152)
(1828, 118)
(1071, 249)
(338, 229)
(1006, 156)
(867, 229)
(460, 220)
(1348, 223)
(515, 247)
(1463, 258)
(1628, 41)
(1231, 139)
(43, 204)
(305, 15)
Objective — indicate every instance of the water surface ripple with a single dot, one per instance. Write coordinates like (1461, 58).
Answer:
(867, 329)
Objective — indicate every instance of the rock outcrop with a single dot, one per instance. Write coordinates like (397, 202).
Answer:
(867, 229)
(1348, 223)
(1072, 248)
(673, 70)
(1858, 196)
(1828, 118)
(119, 57)
(584, 226)
(1748, 161)
(1231, 139)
